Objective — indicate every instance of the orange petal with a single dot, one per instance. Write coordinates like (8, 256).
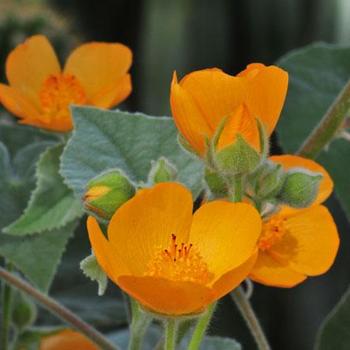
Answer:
(291, 161)
(233, 278)
(216, 93)
(67, 340)
(188, 117)
(111, 263)
(165, 296)
(266, 93)
(144, 224)
(18, 104)
(273, 273)
(225, 234)
(102, 70)
(29, 65)
(242, 122)
(311, 242)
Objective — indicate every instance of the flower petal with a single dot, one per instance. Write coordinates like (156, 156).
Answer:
(266, 93)
(290, 161)
(240, 122)
(188, 117)
(165, 296)
(18, 104)
(311, 242)
(29, 65)
(144, 224)
(225, 234)
(233, 278)
(66, 340)
(216, 93)
(102, 70)
(111, 263)
(274, 273)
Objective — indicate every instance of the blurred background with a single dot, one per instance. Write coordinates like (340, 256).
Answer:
(186, 35)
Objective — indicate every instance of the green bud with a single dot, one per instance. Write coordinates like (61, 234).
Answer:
(269, 180)
(215, 183)
(24, 311)
(107, 192)
(300, 188)
(162, 171)
(238, 159)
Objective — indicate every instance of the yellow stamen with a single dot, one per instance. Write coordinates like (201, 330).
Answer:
(272, 232)
(58, 92)
(179, 263)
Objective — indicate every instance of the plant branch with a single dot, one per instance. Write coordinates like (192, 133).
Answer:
(249, 316)
(59, 310)
(328, 126)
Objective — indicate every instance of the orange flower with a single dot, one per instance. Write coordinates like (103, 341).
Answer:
(67, 340)
(40, 93)
(202, 99)
(297, 243)
(171, 261)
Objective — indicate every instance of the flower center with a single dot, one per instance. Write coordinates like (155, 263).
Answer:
(58, 92)
(272, 232)
(179, 263)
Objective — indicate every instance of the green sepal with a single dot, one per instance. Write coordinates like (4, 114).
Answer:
(300, 188)
(24, 311)
(92, 270)
(162, 171)
(107, 192)
(238, 159)
(215, 183)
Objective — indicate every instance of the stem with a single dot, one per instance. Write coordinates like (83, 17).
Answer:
(237, 194)
(59, 310)
(170, 334)
(249, 316)
(6, 313)
(328, 126)
(138, 327)
(201, 327)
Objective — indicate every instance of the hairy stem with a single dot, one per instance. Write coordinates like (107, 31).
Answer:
(59, 310)
(328, 126)
(201, 328)
(6, 300)
(249, 316)
(170, 334)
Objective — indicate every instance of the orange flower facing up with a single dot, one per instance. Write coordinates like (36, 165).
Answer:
(297, 243)
(173, 262)
(67, 340)
(40, 93)
(202, 99)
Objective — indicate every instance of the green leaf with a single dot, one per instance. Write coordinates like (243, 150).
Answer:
(317, 75)
(335, 331)
(114, 139)
(52, 204)
(37, 256)
(92, 270)
(17, 179)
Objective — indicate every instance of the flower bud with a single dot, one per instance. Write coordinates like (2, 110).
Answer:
(24, 311)
(300, 188)
(238, 158)
(269, 180)
(162, 171)
(215, 183)
(107, 192)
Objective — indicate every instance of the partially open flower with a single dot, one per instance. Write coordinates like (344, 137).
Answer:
(66, 340)
(203, 99)
(171, 261)
(40, 93)
(297, 243)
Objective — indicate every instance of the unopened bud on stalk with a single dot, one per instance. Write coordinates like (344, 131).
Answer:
(300, 188)
(215, 183)
(107, 192)
(162, 171)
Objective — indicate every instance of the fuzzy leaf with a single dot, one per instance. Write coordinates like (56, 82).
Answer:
(52, 204)
(114, 139)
